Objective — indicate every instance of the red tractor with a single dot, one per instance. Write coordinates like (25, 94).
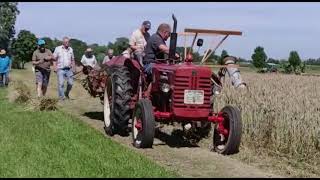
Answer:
(179, 91)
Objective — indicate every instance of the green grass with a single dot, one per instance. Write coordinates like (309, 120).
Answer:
(313, 69)
(55, 144)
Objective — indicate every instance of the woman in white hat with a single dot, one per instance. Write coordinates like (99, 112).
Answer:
(89, 59)
(234, 72)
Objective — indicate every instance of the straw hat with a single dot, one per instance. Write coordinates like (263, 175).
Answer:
(89, 50)
(2, 52)
(230, 60)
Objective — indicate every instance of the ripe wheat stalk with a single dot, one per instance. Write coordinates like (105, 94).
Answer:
(280, 113)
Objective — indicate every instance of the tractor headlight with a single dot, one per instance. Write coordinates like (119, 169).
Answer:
(165, 87)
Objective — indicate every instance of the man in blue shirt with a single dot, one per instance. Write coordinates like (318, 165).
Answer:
(5, 64)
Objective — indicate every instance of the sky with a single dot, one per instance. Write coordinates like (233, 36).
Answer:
(278, 27)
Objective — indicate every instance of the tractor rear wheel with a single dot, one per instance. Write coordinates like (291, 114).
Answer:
(143, 126)
(117, 97)
(232, 122)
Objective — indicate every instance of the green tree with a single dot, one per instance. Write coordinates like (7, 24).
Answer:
(49, 43)
(79, 47)
(271, 60)
(100, 57)
(23, 47)
(224, 54)
(212, 58)
(303, 67)
(259, 57)
(294, 60)
(120, 45)
(8, 14)
(98, 50)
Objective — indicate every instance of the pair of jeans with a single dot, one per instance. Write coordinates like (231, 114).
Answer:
(4, 78)
(148, 71)
(148, 68)
(62, 75)
(139, 56)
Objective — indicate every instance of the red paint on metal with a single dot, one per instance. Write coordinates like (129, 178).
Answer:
(138, 125)
(166, 115)
(216, 119)
(222, 130)
(121, 60)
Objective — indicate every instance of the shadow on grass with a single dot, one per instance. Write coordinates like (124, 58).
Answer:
(176, 139)
(99, 116)
(94, 115)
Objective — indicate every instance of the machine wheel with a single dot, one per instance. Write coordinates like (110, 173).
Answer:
(108, 120)
(232, 122)
(116, 101)
(143, 126)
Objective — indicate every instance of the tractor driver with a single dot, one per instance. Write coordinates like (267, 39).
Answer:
(156, 47)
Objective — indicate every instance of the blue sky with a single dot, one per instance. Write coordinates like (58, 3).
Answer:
(278, 27)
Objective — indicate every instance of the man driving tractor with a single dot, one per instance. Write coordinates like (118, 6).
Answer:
(156, 47)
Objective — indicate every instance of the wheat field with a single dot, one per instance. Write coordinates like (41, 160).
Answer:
(280, 114)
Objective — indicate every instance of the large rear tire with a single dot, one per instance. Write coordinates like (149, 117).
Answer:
(117, 99)
(143, 126)
(232, 122)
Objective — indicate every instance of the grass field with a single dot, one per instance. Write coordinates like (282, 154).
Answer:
(55, 144)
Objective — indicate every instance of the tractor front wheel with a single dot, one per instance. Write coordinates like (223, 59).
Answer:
(143, 126)
(229, 142)
(117, 97)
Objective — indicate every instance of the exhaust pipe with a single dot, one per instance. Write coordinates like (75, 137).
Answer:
(173, 39)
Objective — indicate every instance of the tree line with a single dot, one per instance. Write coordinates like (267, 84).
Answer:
(25, 43)
(293, 64)
(22, 47)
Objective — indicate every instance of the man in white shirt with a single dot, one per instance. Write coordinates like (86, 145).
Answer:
(88, 59)
(138, 40)
(64, 66)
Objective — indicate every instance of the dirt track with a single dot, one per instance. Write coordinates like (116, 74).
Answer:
(168, 152)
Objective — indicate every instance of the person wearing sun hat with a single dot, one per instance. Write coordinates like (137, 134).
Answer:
(5, 67)
(42, 60)
(138, 40)
(233, 72)
(89, 59)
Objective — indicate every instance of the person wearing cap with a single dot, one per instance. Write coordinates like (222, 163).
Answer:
(64, 66)
(109, 56)
(89, 59)
(5, 67)
(42, 59)
(138, 40)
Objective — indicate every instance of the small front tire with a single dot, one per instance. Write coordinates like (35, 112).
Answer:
(143, 126)
(229, 144)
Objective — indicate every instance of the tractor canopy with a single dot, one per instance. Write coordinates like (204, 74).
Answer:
(206, 32)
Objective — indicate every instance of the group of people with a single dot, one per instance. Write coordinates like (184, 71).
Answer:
(142, 47)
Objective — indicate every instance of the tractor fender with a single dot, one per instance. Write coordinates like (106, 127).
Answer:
(124, 61)
(133, 66)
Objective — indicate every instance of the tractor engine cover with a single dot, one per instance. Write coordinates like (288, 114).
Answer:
(190, 89)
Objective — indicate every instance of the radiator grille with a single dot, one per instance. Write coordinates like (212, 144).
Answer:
(192, 83)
